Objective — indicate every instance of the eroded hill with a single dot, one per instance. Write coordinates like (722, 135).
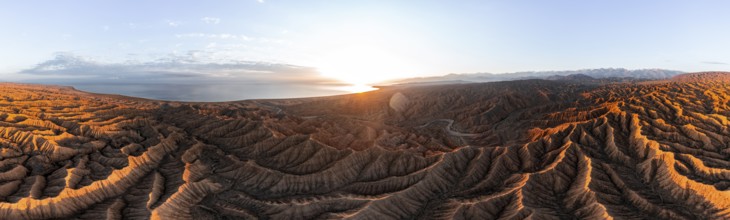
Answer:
(531, 149)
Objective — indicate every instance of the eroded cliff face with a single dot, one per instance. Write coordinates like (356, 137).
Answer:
(530, 149)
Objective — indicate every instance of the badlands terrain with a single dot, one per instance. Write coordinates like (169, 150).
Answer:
(528, 149)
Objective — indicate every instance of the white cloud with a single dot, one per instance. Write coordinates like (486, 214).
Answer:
(173, 23)
(714, 63)
(216, 36)
(192, 66)
(211, 20)
(262, 40)
(260, 1)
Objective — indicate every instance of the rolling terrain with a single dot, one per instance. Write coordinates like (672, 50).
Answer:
(528, 149)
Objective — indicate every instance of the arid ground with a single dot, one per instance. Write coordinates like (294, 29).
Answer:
(529, 149)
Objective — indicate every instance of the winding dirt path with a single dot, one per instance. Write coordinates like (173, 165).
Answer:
(448, 128)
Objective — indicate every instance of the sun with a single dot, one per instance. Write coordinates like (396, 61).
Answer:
(363, 66)
(357, 88)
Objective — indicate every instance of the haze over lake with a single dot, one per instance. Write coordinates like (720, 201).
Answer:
(211, 92)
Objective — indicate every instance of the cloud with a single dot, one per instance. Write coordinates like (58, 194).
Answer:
(211, 20)
(216, 36)
(173, 23)
(714, 63)
(243, 37)
(260, 1)
(191, 67)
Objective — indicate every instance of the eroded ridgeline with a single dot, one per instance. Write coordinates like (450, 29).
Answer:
(510, 150)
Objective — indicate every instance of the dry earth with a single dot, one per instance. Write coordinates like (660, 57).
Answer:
(531, 149)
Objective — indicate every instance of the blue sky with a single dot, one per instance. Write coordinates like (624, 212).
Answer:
(358, 41)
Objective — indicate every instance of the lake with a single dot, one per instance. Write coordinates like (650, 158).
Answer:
(212, 92)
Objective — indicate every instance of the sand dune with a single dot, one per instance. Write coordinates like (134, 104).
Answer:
(531, 149)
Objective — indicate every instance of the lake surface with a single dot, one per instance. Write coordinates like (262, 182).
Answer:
(210, 92)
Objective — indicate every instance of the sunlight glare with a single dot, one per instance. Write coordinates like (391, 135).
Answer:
(357, 88)
(363, 65)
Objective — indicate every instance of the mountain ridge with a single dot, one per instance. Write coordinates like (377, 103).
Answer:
(595, 73)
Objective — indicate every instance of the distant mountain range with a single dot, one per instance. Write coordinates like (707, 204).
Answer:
(551, 75)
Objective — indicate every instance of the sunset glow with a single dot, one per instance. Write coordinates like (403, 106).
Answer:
(364, 65)
(357, 88)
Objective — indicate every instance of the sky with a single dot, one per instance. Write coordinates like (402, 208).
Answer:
(352, 41)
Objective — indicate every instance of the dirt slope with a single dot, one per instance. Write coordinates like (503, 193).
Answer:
(532, 149)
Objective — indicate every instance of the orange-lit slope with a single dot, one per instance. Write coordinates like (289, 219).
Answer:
(531, 149)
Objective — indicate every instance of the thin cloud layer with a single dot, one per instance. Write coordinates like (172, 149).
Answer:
(714, 63)
(216, 36)
(190, 67)
(172, 23)
(211, 20)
